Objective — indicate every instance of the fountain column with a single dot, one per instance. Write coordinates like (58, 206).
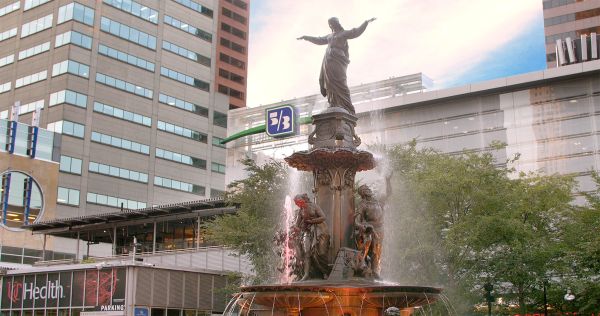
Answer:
(334, 161)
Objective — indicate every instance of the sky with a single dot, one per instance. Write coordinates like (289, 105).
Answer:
(453, 42)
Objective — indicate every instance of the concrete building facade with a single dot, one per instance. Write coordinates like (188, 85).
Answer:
(132, 89)
(548, 117)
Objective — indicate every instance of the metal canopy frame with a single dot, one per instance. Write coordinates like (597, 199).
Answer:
(74, 225)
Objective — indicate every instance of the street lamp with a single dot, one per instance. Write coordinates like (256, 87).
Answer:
(569, 297)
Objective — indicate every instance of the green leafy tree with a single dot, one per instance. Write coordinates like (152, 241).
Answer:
(582, 248)
(250, 230)
(470, 221)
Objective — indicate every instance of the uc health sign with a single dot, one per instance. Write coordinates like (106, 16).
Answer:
(281, 121)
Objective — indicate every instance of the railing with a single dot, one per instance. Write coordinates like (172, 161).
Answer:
(213, 257)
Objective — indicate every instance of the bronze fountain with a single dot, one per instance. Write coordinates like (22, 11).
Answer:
(338, 246)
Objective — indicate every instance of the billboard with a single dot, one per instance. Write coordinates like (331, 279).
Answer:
(100, 289)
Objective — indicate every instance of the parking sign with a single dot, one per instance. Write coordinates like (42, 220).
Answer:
(281, 121)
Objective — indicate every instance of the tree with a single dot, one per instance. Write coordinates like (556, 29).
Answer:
(582, 252)
(489, 225)
(250, 230)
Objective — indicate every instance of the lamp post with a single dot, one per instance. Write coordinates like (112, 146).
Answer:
(545, 300)
(488, 296)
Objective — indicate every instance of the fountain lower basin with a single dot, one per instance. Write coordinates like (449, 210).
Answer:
(348, 298)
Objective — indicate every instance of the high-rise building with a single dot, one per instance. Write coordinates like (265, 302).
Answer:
(570, 19)
(137, 89)
(231, 70)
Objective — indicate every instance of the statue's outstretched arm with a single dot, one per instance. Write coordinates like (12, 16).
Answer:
(314, 40)
(356, 32)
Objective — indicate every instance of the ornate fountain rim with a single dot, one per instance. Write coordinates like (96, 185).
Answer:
(371, 287)
(323, 158)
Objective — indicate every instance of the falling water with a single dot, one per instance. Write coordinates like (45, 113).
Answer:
(287, 220)
(288, 252)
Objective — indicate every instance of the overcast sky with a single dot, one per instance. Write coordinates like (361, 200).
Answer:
(454, 42)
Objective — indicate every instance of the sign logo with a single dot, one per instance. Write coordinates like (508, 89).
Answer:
(140, 311)
(281, 121)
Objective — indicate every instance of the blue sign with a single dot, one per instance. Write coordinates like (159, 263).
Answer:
(140, 311)
(281, 121)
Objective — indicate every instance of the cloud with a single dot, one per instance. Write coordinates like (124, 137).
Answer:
(441, 38)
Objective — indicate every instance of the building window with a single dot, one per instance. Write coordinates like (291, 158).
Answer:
(67, 128)
(118, 172)
(122, 114)
(21, 207)
(234, 16)
(196, 7)
(586, 14)
(232, 61)
(557, 3)
(7, 60)
(136, 9)
(10, 8)
(123, 85)
(233, 46)
(4, 87)
(70, 164)
(220, 119)
(233, 30)
(8, 34)
(217, 167)
(120, 143)
(72, 37)
(31, 79)
(179, 185)
(231, 92)
(68, 196)
(216, 141)
(186, 27)
(72, 67)
(35, 50)
(239, 3)
(128, 33)
(30, 107)
(183, 78)
(231, 76)
(126, 58)
(181, 158)
(101, 199)
(77, 12)
(69, 97)
(186, 53)
(182, 104)
(36, 26)
(182, 131)
(30, 4)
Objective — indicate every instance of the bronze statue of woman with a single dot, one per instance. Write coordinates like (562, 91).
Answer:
(332, 79)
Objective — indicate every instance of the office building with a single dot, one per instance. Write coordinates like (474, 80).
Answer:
(132, 87)
(568, 20)
(548, 117)
(231, 70)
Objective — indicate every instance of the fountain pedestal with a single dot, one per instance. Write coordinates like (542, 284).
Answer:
(334, 161)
